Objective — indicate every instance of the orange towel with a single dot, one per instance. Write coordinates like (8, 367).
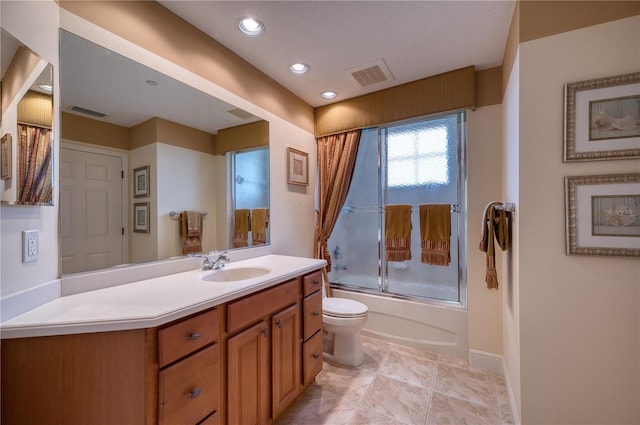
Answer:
(496, 227)
(259, 223)
(435, 234)
(191, 231)
(241, 226)
(397, 232)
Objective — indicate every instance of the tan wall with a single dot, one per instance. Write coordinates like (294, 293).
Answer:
(86, 130)
(22, 65)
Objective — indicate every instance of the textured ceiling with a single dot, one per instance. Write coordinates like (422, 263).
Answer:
(415, 39)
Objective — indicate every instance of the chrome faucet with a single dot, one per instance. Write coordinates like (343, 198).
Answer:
(209, 263)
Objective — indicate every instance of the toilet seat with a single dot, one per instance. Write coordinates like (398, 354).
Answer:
(343, 307)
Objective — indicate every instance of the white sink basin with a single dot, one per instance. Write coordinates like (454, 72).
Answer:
(235, 274)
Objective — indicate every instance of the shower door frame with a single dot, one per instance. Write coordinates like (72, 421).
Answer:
(460, 211)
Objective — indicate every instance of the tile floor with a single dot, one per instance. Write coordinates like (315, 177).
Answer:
(398, 385)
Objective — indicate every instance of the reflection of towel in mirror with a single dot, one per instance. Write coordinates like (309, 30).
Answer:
(191, 231)
(397, 232)
(241, 228)
(496, 227)
(435, 234)
(259, 223)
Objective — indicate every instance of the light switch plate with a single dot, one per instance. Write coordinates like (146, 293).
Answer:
(30, 246)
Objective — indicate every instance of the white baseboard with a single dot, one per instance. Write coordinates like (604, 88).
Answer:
(496, 364)
(512, 399)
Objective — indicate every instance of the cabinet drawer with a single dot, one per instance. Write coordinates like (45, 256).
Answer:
(184, 337)
(312, 308)
(251, 309)
(190, 389)
(312, 357)
(312, 282)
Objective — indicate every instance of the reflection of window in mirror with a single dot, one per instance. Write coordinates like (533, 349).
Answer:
(250, 197)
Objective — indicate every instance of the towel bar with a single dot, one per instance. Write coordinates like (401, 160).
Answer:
(510, 207)
(175, 214)
(455, 208)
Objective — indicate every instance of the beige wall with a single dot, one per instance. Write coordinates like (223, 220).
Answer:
(578, 315)
(484, 184)
(20, 18)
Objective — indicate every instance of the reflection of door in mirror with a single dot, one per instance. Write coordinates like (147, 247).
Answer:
(91, 208)
(250, 177)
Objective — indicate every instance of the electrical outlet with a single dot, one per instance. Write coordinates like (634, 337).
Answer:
(30, 246)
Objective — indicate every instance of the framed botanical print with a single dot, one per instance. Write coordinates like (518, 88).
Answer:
(141, 182)
(297, 167)
(141, 217)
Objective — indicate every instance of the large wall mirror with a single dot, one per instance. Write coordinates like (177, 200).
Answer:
(152, 168)
(26, 160)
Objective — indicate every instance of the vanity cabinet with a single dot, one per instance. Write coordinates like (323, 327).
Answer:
(241, 362)
(312, 307)
(189, 379)
(264, 360)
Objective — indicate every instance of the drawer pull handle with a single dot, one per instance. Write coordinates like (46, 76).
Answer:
(279, 323)
(265, 331)
(196, 392)
(194, 336)
(315, 314)
(316, 356)
(316, 282)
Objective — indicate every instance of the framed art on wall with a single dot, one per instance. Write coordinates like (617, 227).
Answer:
(141, 182)
(602, 118)
(141, 217)
(5, 157)
(297, 167)
(603, 214)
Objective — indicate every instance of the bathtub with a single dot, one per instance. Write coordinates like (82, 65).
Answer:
(427, 326)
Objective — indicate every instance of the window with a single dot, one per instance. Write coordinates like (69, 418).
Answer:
(412, 163)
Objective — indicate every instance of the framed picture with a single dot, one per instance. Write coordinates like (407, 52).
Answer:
(603, 214)
(602, 118)
(141, 217)
(141, 182)
(297, 167)
(5, 157)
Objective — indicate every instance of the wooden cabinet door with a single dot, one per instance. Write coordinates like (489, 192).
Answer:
(249, 383)
(286, 360)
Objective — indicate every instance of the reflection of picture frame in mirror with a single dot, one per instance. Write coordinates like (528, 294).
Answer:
(297, 167)
(141, 182)
(141, 217)
(5, 157)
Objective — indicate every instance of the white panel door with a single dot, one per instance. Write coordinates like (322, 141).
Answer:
(91, 210)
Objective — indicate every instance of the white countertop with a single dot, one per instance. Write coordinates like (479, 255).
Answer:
(149, 303)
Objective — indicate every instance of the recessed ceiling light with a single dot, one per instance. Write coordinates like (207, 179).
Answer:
(299, 68)
(329, 94)
(152, 83)
(46, 87)
(250, 26)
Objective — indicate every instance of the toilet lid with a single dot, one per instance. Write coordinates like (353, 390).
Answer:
(342, 307)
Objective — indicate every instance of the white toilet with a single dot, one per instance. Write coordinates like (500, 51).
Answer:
(343, 319)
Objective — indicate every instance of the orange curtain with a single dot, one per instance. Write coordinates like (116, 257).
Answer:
(34, 165)
(336, 161)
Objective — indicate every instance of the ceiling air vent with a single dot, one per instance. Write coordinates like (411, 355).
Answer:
(87, 112)
(370, 74)
(241, 113)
